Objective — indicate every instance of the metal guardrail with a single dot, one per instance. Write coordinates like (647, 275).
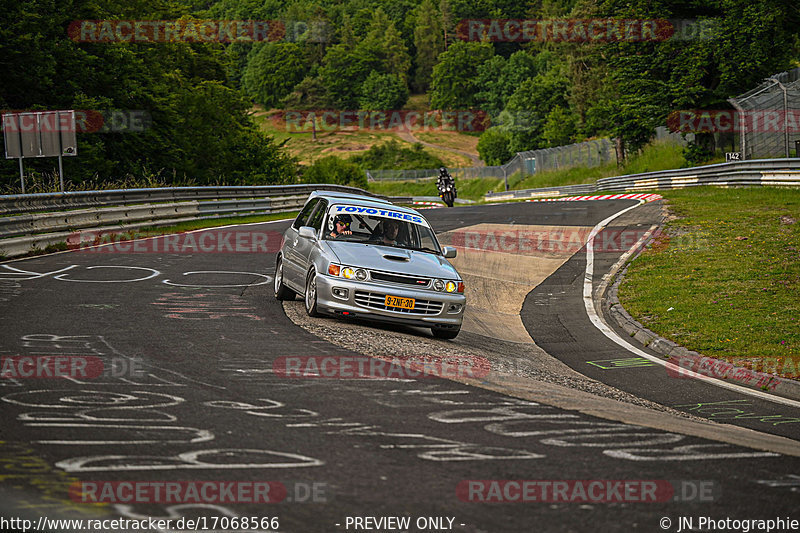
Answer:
(760, 172)
(34, 221)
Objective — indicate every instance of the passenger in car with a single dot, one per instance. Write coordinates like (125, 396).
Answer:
(391, 228)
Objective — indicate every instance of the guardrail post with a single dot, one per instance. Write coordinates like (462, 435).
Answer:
(21, 176)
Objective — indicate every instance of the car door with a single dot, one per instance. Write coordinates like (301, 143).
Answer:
(306, 247)
(292, 273)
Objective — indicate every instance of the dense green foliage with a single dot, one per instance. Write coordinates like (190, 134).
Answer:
(368, 54)
(383, 91)
(332, 169)
(391, 155)
(493, 146)
(272, 72)
(200, 131)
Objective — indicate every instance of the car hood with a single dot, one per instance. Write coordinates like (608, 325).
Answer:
(390, 259)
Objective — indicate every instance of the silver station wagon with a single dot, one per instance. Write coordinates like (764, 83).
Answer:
(362, 257)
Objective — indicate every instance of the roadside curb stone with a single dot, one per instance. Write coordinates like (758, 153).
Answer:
(687, 360)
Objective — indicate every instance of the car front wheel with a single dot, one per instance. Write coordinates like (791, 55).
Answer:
(311, 294)
(282, 292)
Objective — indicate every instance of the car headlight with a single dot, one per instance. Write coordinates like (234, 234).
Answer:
(438, 285)
(348, 272)
(361, 274)
(451, 286)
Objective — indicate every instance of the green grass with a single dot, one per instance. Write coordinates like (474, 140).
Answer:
(213, 223)
(729, 267)
(468, 189)
(652, 158)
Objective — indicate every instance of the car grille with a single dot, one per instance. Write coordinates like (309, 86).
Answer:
(377, 300)
(399, 278)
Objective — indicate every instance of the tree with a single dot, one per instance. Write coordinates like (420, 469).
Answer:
(741, 42)
(308, 94)
(344, 70)
(395, 53)
(493, 146)
(429, 42)
(272, 71)
(199, 129)
(559, 127)
(529, 106)
(383, 91)
(345, 67)
(454, 84)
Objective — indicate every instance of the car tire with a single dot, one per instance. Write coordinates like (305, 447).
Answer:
(311, 294)
(446, 334)
(282, 292)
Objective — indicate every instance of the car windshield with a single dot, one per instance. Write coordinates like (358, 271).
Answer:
(383, 227)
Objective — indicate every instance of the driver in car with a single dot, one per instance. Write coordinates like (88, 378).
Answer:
(341, 226)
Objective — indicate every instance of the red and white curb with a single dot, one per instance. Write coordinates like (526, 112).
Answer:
(644, 197)
(433, 205)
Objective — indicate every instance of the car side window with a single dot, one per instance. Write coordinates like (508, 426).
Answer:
(316, 219)
(306, 211)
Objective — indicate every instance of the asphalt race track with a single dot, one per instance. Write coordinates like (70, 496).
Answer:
(195, 340)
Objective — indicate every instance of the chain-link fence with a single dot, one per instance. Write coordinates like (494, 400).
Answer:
(768, 117)
(585, 154)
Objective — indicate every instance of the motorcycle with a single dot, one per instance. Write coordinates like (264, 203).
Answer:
(447, 189)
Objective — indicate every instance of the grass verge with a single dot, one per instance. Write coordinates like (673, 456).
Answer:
(723, 278)
(654, 157)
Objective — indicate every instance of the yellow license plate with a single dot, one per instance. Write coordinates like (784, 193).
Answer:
(403, 303)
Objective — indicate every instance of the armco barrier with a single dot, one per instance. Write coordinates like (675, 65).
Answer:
(31, 221)
(760, 172)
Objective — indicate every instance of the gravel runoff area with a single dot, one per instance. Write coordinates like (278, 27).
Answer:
(527, 361)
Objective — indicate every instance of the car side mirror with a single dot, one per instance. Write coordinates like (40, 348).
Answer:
(449, 252)
(308, 232)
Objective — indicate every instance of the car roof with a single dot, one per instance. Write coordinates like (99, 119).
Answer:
(356, 199)
(347, 195)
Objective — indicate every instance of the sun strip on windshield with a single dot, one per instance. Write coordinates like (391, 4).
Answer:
(374, 211)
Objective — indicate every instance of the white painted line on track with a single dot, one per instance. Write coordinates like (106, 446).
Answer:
(598, 322)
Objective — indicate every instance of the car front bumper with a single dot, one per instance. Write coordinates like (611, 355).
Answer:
(366, 300)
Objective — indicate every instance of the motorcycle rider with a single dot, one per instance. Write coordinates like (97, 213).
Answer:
(445, 180)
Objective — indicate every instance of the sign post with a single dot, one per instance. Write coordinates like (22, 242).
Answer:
(40, 134)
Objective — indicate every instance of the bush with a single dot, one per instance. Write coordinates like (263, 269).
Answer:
(493, 146)
(391, 155)
(332, 169)
(695, 154)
